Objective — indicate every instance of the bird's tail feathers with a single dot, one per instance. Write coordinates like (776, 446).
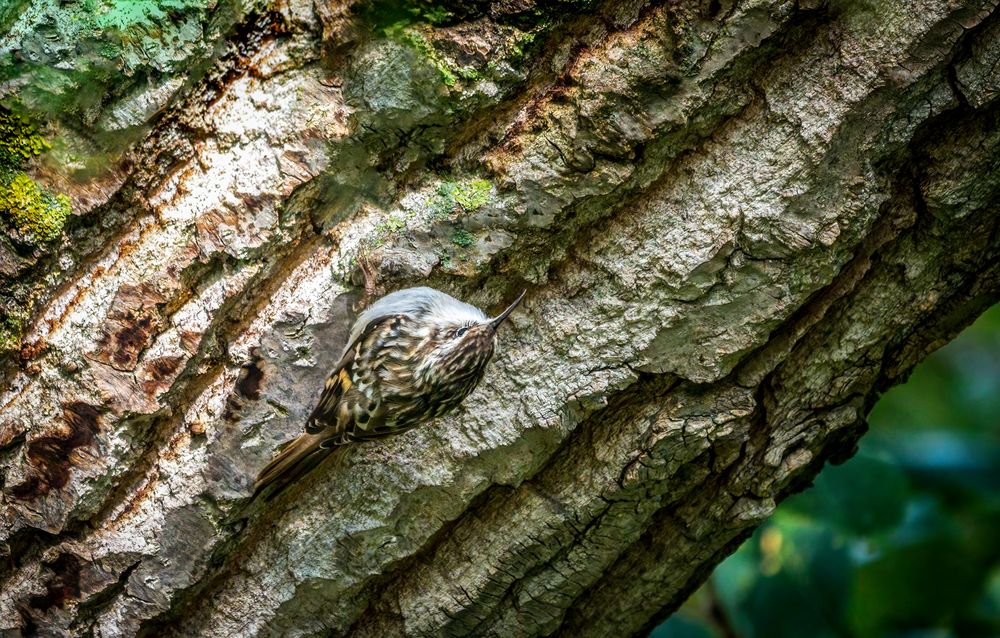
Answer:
(293, 461)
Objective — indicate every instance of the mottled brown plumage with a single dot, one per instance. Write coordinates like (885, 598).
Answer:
(413, 356)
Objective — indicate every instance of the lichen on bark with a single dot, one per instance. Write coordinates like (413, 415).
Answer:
(35, 214)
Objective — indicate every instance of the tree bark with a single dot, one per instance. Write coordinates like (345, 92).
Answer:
(738, 223)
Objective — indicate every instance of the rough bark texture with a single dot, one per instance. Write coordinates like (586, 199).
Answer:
(738, 222)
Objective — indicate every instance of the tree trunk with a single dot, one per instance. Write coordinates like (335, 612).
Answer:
(738, 223)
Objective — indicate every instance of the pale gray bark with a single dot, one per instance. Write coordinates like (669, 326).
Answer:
(738, 222)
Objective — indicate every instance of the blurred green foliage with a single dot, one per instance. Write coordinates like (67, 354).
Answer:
(902, 541)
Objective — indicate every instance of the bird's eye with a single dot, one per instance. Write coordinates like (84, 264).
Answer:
(461, 331)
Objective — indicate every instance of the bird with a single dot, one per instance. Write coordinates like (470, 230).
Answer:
(411, 357)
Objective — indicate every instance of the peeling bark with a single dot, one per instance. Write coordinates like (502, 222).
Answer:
(738, 222)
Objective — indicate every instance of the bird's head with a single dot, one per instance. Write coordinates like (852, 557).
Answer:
(465, 342)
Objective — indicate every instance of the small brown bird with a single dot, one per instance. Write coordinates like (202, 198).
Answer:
(412, 356)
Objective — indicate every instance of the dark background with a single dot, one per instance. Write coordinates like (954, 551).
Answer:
(903, 540)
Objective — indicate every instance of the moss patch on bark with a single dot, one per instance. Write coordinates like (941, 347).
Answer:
(35, 214)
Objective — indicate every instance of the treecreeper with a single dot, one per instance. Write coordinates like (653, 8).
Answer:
(411, 357)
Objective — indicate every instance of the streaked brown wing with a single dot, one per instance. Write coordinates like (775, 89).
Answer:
(335, 413)
(324, 415)
(335, 419)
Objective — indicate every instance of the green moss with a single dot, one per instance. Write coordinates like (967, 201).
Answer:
(471, 195)
(443, 204)
(412, 37)
(385, 229)
(18, 140)
(390, 225)
(384, 14)
(463, 238)
(35, 212)
(521, 45)
(9, 11)
(11, 329)
(73, 61)
(419, 43)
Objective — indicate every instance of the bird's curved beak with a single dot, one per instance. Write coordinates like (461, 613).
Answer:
(496, 321)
